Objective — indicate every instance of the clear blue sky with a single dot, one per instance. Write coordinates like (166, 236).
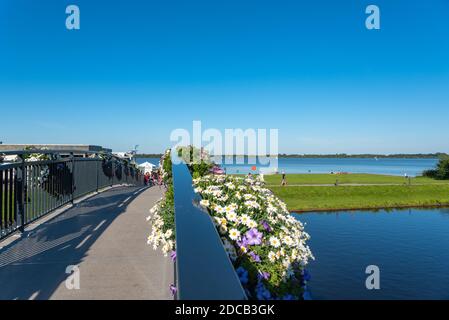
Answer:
(138, 69)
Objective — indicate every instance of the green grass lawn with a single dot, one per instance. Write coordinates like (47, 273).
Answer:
(312, 198)
(298, 179)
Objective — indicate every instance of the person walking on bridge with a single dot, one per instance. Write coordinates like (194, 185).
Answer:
(146, 178)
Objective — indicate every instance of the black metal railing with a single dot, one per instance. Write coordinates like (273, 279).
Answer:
(203, 268)
(32, 189)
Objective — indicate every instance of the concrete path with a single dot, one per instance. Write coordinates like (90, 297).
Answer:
(105, 237)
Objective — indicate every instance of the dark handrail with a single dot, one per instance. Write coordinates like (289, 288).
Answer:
(32, 189)
(48, 151)
(203, 268)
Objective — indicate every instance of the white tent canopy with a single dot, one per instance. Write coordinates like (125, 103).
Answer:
(146, 167)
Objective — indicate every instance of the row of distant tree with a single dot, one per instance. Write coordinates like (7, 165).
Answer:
(148, 155)
(368, 155)
(339, 155)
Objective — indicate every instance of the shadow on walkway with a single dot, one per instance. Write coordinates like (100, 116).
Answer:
(34, 266)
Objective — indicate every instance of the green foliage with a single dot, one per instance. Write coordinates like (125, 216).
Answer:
(168, 210)
(432, 173)
(35, 156)
(198, 162)
(196, 175)
(353, 178)
(167, 167)
(148, 155)
(163, 219)
(442, 170)
(167, 206)
(200, 169)
(321, 198)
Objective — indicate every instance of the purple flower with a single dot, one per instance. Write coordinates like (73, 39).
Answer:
(288, 297)
(253, 237)
(243, 242)
(263, 275)
(306, 295)
(254, 256)
(262, 292)
(173, 255)
(266, 226)
(173, 289)
(243, 275)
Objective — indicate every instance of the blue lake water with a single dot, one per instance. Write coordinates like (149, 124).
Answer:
(411, 167)
(410, 247)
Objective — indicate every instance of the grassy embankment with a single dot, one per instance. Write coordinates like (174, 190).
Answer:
(317, 179)
(311, 192)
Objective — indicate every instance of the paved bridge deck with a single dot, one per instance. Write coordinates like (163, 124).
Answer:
(106, 237)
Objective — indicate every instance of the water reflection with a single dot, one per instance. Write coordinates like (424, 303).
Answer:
(408, 245)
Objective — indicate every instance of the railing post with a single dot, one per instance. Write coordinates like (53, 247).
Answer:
(113, 173)
(73, 176)
(127, 172)
(21, 205)
(98, 173)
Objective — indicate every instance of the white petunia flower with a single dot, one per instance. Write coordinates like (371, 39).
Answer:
(252, 224)
(231, 216)
(234, 234)
(278, 254)
(252, 204)
(223, 229)
(168, 233)
(221, 221)
(288, 241)
(275, 242)
(219, 209)
(248, 196)
(244, 219)
(234, 206)
(205, 203)
(286, 262)
(230, 185)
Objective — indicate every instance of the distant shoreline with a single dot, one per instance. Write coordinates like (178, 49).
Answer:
(369, 156)
(334, 156)
(149, 155)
